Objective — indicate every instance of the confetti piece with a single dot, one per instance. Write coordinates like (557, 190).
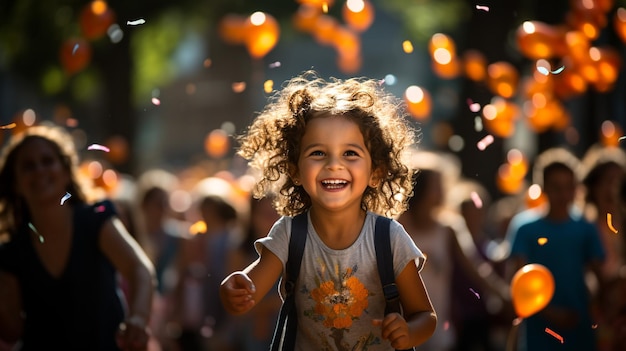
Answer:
(74, 49)
(98, 147)
(100, 209)
(620, 138)
(197, 228)
(239, 87)
(156, 101)
(609, 222)
(325, 7)
(543, 70)
(65, 197)
(542, 241)
(475, 107)
(446, 325)
(484, 8)
(32, 227)
(275, 64)
(407, 46)
(268, 86)
(558, 70)
(556, 336)
(476, 199)
(478, 124)
(484, 142)
(594, 326)
(475, 293)
(8, 126)
(136, 22)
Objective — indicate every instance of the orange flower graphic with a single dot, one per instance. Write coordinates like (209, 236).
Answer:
(339, 303)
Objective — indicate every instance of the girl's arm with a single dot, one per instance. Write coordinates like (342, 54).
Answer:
(240, 290)
(419, 313)
(131, 261)
(11, 322)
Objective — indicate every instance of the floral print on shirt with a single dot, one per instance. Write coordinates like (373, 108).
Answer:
(339, 298)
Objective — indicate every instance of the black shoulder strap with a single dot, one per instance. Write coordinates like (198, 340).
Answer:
(384, 261)
(285, 333)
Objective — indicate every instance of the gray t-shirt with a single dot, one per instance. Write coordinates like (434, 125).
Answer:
(338, 292)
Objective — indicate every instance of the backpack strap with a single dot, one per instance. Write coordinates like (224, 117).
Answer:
(384, 261)
(285, 333)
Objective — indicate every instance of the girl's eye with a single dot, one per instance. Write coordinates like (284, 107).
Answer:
(351, 153)
(317, 153)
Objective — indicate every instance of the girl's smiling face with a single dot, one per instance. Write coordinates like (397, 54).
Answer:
(334, 166)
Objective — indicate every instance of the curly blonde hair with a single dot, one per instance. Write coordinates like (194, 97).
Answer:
(272, 142)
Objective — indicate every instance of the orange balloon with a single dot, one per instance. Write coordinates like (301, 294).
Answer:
(217, 143)
(262, 34)
(474, 63)
(448, 70)
(232, 29)
(325, 28)
(357, 17)
(75, 54)
(507, 182)
(538, 40)
(499, 117)
(305, 18)
(532, 288)
(441, 41)
(502, 78)
(95, 18)
(418, 102)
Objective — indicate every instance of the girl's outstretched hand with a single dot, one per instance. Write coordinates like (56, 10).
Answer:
(236, 293)
(395, 329)
(133, 334)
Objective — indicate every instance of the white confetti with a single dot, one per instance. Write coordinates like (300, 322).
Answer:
(98, 147)
(74, 49)
(484, 8)
(136, 22)
(156, 101)
(274, 64)
(32, 227)
(65, 197)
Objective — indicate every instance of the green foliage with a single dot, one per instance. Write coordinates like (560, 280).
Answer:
(423, 18)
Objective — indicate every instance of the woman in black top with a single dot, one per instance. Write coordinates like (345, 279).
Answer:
(61, 254)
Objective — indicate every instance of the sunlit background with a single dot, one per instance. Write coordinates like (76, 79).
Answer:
(168, 84)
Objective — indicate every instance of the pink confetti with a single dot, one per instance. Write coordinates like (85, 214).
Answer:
(484, 142)
(475, 107)
(274, 64)
(156, 101)
(477, 202)
(475, 293)
(100, 209)
(484, 8)
(446, 325)
(98, 147)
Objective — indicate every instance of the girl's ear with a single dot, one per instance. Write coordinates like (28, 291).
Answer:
(375, 178)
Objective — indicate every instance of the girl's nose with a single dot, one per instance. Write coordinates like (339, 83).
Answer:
(334, 163)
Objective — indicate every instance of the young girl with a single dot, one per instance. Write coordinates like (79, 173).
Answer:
(335, 150)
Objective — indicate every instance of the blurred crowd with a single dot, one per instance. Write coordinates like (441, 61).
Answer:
(196, 229)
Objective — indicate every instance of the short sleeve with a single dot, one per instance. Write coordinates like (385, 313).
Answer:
(277, 241)
(404, 249)
(92, 217)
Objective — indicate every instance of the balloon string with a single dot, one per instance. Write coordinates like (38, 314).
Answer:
(511, 340)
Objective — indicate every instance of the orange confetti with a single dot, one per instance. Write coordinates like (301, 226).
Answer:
(8, 126)
(407, 46)
(197, 228)
(542, 241)
(609, 221)
(553, 333)
(239, 87)
(325, 7)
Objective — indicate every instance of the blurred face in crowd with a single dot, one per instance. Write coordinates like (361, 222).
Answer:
(560, 188)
